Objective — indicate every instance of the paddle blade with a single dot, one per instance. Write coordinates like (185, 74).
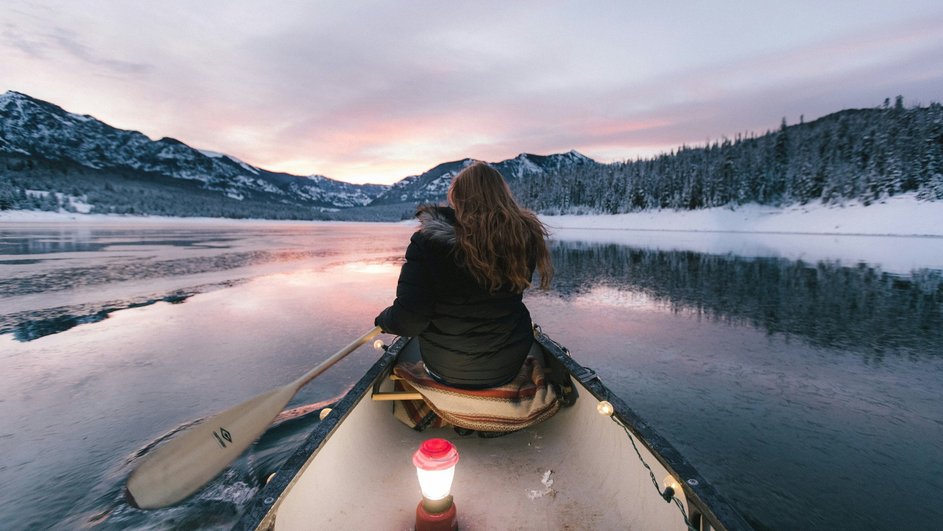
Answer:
(182, 465)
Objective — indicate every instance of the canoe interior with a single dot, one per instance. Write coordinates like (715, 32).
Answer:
(577, 470)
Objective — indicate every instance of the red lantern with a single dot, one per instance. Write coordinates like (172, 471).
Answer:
(435, 466)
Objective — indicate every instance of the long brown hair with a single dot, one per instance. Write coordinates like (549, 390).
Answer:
(498, 241)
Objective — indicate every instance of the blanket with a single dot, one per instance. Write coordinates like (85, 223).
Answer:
(526, 400)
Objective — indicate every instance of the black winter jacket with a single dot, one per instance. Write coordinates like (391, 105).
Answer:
(468, 337)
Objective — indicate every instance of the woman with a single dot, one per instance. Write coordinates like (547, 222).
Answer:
(460, 290)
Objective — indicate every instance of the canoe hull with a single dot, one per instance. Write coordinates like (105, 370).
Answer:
(577, 470)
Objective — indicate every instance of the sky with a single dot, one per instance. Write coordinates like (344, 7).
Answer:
(365, 91)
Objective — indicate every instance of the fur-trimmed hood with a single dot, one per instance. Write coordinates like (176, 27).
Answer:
(437, 223)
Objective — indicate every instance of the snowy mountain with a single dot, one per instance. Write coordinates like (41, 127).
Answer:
(48, 136)
(52, 159)
(432, 186)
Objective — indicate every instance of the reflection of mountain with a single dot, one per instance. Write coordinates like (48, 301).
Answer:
(860, 308)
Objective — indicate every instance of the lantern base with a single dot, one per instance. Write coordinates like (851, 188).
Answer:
(439, 515)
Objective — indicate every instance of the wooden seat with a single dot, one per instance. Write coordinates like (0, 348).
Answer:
(408, 393)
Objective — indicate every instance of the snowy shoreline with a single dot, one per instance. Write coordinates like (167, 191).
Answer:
(896, 216)
(25, 217)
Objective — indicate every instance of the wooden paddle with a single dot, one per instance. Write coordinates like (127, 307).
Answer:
(176, 469)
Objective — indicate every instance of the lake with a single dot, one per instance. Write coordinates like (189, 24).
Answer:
(808, 391)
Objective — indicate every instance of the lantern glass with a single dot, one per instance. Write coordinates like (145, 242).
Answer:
(435, 484)
(435, 462)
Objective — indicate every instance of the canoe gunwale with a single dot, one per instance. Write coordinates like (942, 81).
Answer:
(704, 501)
(258, 515)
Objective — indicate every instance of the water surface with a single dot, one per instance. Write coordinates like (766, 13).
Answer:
(810, 393)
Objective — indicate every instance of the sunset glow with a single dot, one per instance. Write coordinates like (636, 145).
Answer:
(377, 91)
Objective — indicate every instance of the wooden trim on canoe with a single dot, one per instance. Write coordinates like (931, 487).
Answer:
(397, 395)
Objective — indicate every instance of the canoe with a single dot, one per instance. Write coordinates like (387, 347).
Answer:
(593, 465)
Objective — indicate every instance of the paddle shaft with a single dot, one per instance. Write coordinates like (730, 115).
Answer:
(179, 467)
(341, 354)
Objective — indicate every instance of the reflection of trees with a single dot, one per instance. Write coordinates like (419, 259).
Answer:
(830, 305)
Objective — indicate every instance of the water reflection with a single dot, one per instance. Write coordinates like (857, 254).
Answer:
(51, 241)
(857, 308)
(769, 421)
(142, 268)
(55, 278)
(34, 324)
(79, 408)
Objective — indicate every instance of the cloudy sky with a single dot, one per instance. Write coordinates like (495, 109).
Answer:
(374, 91)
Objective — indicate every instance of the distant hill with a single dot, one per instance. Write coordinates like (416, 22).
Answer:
(431, 186)
(51, 159)
(49, 155)
(860, 155)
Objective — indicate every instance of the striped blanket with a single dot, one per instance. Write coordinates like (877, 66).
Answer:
(525, 401)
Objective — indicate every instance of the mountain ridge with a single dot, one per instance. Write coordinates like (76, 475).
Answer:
(45, 130)
(47, 135)
(54, 160)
